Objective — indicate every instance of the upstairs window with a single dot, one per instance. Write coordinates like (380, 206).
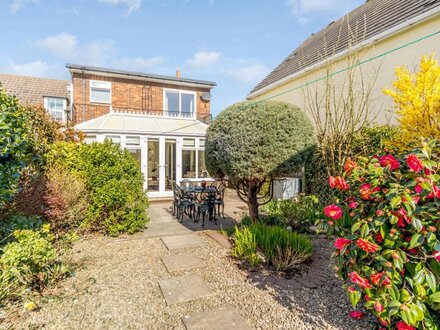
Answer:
(56, 106)
(179, 103)
(100, 91)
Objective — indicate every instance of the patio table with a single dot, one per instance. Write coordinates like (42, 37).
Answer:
(211, 193)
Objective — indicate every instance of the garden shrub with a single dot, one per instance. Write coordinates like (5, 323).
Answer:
(281, 248)
(391, 251)
(254, 142)
(417, 103)
(113, 184)
(297, 213)
(17, 222)
(29, 262)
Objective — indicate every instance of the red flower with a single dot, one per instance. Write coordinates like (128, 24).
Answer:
(352, 204)
(436, 255)
(403, 326)
(349, 166)
(418, 189)
(414, 163)
(386, 282)
(378, 238)
(375, 278)
(380, 213)
(357, 315)
(351, 289)
(333, 211)
(341, 243)
(389, 160)
(332, 182)
(365, 191)
(434, 193)
(362, 282)
(367, 246)
(416, 199)
(378, 307)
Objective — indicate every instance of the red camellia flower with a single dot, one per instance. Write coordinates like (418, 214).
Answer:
(414, 163)
(403, 326)
(380, 213)
(375, 278)
(333, 211)
(349, 166)
(434, 193)
(341, 242)
(378, 307)
(341, 184)
(436, 255)
(357, 315)
(378, 238)
(332, 182)
(365, 191)
(367, 246)
(389, 160)
(362, 282)
(418, 189)
(351, 289)
(352, 204)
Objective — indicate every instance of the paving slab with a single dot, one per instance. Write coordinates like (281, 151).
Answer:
(183, 289)
(182, 241)
(181, 262)
(222, 318)
(164, 229)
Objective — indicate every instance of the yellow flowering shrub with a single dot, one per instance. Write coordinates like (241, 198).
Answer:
(417, 102)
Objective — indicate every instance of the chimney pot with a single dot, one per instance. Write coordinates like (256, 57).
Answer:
(178, 73)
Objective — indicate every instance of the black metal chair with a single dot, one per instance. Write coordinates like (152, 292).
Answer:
(219, 198)
(205, 205)
(185, 204)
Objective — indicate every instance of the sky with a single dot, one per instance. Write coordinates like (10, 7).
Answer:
(234, 43)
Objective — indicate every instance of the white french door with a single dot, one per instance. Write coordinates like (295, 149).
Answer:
(161, 165)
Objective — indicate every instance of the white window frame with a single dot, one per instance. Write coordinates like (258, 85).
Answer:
(180, 91)
(108, 83)
(46, 106)
(197, 147)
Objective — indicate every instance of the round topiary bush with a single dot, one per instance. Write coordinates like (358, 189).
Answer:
(252, 143)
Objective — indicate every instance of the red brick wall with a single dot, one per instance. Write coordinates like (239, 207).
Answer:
(128, 95)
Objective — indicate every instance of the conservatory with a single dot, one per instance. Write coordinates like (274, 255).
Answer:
(168, 149)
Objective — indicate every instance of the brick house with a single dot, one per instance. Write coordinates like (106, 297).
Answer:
(161, 120)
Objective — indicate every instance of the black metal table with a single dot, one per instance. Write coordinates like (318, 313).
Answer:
(208, 202)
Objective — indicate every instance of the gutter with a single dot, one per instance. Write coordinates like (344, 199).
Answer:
(400, 28)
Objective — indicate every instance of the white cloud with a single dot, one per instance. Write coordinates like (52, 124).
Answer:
(138, 63)
(16, 5)
(63, 44)
(250, 74)
(37, 68)
(131, 5)
(307, 10)
(202, 60)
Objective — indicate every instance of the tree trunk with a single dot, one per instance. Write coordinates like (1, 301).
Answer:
(253, 200)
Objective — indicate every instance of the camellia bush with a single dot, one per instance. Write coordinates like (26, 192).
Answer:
(386, 218)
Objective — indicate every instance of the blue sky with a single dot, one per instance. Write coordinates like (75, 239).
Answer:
(232, 42)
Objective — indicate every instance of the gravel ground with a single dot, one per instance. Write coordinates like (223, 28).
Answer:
(117, 288)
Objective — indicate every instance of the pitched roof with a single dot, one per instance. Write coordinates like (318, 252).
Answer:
(363, 23)
(139, 75)
(31, 90)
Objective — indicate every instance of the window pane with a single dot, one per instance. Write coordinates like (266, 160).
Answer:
(203, 173)
(153, 165)
(187, 103)
(133, 140)
(100, 95)
(55, 103)
(90, 139)
(188, 163)
(57, 115)
(136, 154)
(172, 102)
(201, 142)
(116, 139)
(189, 142)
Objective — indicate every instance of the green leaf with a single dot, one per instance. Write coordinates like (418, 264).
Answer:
(419, 277)
(417, 224)
(435, 297)
(432, 282)
(365, 230)
(355, 227)
(416, 240)
(395, 201)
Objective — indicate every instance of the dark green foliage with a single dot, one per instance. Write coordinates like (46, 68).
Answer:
(113, 181)
(258, 140)
(281, 248)
(298, 214)
(17, 222)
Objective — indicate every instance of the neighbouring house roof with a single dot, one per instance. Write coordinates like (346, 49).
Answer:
(367, 21)
(32, 90)
(139, 76)
(123, 123)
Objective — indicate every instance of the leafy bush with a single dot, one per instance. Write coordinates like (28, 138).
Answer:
(417, 101)
(252, 143)
(17, 222)
(298, 213)
(280, 247)
(29, 262)
(113, 183)
(391, 250)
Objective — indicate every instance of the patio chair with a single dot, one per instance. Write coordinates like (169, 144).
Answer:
(205, 206)
(219, 198)
(185, 204)
(176, 200)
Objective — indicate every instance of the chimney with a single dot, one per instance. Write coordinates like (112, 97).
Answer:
(178, 73)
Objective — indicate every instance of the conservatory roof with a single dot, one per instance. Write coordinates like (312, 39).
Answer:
(143, 124)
